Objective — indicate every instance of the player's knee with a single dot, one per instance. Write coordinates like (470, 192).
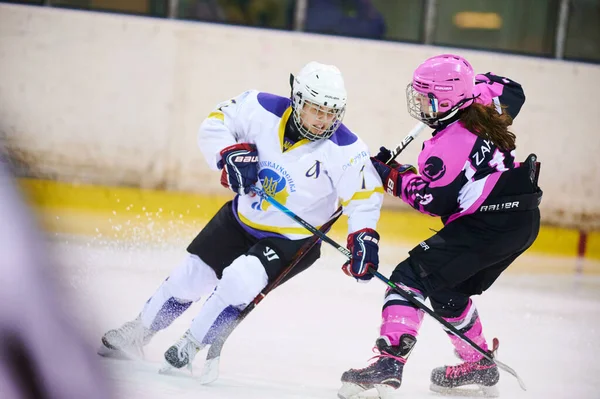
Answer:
(412, 273)
(406, 274)
(271, 257)
(242, 280)
(192, 279)
(449, 304)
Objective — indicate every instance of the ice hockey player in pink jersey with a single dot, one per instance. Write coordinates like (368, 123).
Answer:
(469, 176)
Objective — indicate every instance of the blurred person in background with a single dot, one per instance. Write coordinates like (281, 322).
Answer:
(41, 354)
(356, 18)
(260, 13)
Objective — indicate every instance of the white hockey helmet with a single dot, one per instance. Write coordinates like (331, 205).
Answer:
(318, 100)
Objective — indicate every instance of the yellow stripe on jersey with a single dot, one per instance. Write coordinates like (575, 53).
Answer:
(217, 115)
(285, 146)
(360, 195)
(282, 123)
(274, 229)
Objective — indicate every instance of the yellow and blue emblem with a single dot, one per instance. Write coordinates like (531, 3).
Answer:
(274, 185)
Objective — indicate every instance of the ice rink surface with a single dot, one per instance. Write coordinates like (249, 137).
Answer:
(300, 339)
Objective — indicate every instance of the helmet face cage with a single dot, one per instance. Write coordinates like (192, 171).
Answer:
(426, 107)
(314, 121)
(422, 107)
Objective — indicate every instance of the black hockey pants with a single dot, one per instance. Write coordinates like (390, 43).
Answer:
(223, 240)
(466, 256)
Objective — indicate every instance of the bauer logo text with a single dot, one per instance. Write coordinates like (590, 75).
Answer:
(499, 207)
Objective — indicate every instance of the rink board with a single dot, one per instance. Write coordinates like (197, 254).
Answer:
(172, 217)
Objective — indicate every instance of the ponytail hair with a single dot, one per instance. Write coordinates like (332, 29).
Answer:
(484, 121)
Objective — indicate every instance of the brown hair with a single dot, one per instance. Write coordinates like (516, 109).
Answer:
(485, 122)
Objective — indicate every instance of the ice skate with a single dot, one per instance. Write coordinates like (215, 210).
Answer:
(182, 353)
(478, 378)
(127, 341)
(385, 374)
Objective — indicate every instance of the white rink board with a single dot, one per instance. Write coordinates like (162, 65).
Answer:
(116, 100)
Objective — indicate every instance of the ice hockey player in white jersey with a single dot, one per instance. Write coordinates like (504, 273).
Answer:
(299, 152)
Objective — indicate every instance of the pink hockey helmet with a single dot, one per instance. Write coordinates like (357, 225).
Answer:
(441, 86)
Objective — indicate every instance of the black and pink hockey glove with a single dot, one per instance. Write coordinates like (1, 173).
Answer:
(239, 164)
(390, 173)
(364, 246)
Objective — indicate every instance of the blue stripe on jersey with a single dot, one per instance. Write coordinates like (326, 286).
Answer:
(273, 103)
(343, 136)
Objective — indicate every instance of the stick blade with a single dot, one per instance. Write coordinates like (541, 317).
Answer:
(511, 371)
(210, 372)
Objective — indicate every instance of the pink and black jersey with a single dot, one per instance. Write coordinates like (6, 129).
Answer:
(459, 171)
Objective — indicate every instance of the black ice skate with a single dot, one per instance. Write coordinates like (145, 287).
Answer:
(182, 353)
(480, 377)
(385, 374)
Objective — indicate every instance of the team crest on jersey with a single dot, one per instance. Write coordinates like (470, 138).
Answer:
(276, 183)
(434, 168)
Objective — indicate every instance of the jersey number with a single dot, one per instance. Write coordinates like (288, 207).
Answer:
(497, 161)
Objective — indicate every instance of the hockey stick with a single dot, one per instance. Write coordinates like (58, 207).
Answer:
(415, 131)
(210, 372)
(400, 289)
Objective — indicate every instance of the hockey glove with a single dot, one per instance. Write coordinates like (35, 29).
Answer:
(364, 246)
(390, 173)
(239, 164)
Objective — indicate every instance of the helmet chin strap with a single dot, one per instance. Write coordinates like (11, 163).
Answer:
(439, 122)
(292, 131)
(449, 115)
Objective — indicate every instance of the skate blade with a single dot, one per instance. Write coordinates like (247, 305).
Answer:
(166, 369)
(385, 391)
(210, 372)
(475, 391)
(350, 390)
(115, 353)
(112, 353)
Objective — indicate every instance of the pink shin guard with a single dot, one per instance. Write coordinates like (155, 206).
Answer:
(399, 319)
(470, 324)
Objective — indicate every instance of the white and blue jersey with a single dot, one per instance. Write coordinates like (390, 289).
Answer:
(311, 178)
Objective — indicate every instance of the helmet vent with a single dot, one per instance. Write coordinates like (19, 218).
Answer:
(421, 85)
